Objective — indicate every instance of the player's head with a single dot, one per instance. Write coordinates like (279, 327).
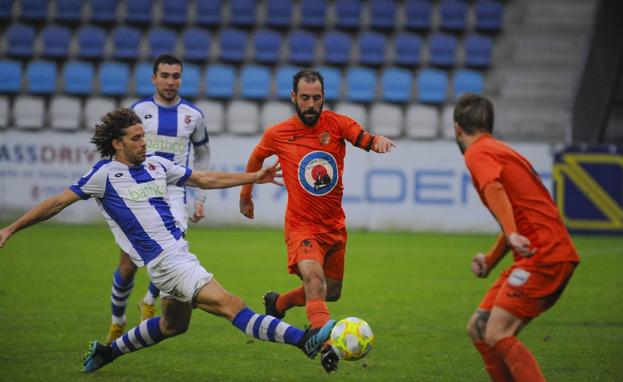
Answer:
(473, 114)
(308, 95)
(167, 77)
(120, 133)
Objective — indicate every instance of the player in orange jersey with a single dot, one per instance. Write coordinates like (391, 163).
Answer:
(311, 148)
(544, 255)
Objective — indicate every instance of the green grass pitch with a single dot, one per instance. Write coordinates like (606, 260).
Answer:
(415, 290)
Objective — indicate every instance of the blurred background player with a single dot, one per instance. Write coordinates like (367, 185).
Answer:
(130, 190)
(532, 228)
(172, 125)
(311, 149)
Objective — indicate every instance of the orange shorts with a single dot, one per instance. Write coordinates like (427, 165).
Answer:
(327, 248)
(527, 290)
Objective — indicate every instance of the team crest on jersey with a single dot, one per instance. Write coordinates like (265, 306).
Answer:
(151, 166)
(318, 173)
(324, 138)
(147, 116)
(187, 119)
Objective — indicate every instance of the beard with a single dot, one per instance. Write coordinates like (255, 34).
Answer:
(461, 145)
(309, 117)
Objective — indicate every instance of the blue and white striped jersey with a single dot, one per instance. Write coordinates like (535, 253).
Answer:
(132, 199)
(170, 131)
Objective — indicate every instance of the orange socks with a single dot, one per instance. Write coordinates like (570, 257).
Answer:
(317, 313)
(519, 360)
(295, 297)
(494, 364)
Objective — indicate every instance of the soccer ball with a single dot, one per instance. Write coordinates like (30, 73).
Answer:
(351, 338)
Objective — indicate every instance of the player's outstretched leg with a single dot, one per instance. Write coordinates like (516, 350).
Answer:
(121, 289)
(147, 307)
(148, 333)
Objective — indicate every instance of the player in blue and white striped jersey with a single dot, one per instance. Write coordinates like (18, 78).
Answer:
(173, 127)
(131, 192)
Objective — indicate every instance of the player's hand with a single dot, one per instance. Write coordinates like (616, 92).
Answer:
(382, 145)
(246, 208)
(479, 266)
(521, 244)
(199, 213)
(270, 174)
(5, 234)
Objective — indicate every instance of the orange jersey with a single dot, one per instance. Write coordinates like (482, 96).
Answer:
(312, 162)
(534, 212)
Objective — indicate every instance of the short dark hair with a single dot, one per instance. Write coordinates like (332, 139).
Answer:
(166, 59)
(308, 75)
(113, 126)
(474, 113)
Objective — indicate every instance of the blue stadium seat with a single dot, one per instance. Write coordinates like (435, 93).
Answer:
(69, 11)
(478, 51)
(337, 48)
(348, 14)
(174, 12)
(103, 11)
(313, 14)
(408, 49)
(233, 44)
(113, 78)
(208, 12)
(396, 85)
(91, 42)
(35, 11)
(161, 41)
(418, 15)
(267, 46)
(10, 76)
(467, 81)
(78, 78)
(6, 6)
(332, 82)
(432, 86)
(278, 13)
(283, 80)
(383, 14)
(126, 42)
(20, 40)
(372, 48)
(138, 11)
(255, 82)
(442, 50)
(242, 13)
(453, 15)
(142, 79)
(489, 16)
(360, 84)
(220, 81)
(191, 81)
(196, 44)
(41, 76)
(302, 47)
(56, 41)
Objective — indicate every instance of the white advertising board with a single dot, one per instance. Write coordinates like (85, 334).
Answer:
(420, 186)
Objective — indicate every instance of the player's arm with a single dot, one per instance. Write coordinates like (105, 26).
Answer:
(217, 179)
(254, 163)
(483, 264)
(42, 211)
(201, 163)
(500, 206)
(355, 134)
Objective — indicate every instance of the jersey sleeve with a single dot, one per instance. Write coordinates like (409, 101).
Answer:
(354, 133)
(200, 135)
(265, 147)
(176, 174)
(483, 167)
(93, 183)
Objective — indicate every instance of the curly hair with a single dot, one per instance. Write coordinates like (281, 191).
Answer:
(113, 126)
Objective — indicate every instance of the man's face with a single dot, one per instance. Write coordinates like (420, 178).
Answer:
(133, 145)
(308, 101)
(167, 80)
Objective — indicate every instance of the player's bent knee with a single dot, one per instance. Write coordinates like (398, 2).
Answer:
(175, 327)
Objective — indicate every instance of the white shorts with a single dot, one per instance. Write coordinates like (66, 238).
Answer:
(178, 274)
(175, 197)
